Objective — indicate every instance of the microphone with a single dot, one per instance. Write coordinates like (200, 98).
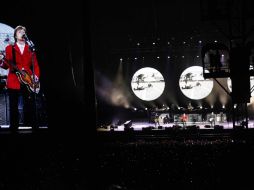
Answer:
(29, 42)
(25, 37)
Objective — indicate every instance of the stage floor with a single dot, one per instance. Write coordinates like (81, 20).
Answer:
(138, 126)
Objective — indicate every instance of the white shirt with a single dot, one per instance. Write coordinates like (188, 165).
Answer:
(21, 47)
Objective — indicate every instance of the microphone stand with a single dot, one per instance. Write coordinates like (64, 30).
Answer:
(32, 49)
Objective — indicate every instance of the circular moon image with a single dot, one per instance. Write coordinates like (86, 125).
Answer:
(147, 84)
(193, 85)
(6, 38)
(229, 83)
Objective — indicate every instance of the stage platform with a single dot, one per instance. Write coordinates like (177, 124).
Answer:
(139, 126)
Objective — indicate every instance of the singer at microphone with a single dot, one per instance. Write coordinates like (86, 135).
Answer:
(23, 65)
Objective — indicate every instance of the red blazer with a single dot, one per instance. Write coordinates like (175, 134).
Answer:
(23, 61)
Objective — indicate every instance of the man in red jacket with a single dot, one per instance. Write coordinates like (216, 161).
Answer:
(21, 57)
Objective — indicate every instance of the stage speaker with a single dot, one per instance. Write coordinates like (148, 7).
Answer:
(192, 128)
(4, 109)
(218, 127)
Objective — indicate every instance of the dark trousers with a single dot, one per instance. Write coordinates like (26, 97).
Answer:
(29, 110)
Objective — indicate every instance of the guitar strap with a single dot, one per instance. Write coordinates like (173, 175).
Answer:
(13, 57)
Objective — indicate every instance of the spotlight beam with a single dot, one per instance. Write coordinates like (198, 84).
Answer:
(222, 86)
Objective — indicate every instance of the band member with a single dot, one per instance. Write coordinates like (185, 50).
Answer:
(184, 119)
(156, 120)
(20, 57)
(212, 120)
(166, 119)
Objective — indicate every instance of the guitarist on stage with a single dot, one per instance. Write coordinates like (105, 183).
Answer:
(21, 56)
